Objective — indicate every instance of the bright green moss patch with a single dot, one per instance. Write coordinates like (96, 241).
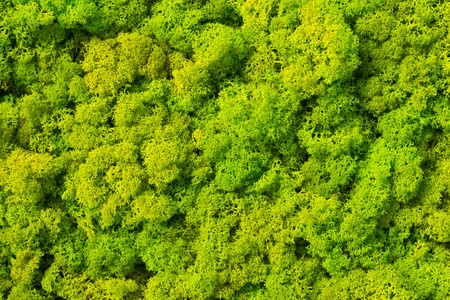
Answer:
(214, 149)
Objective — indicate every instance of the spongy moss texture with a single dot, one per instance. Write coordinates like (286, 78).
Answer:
(224, 149)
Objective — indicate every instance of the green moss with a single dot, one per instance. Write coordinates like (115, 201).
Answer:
(213, 149)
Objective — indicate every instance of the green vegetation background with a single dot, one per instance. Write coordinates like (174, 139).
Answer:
(224, 149)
